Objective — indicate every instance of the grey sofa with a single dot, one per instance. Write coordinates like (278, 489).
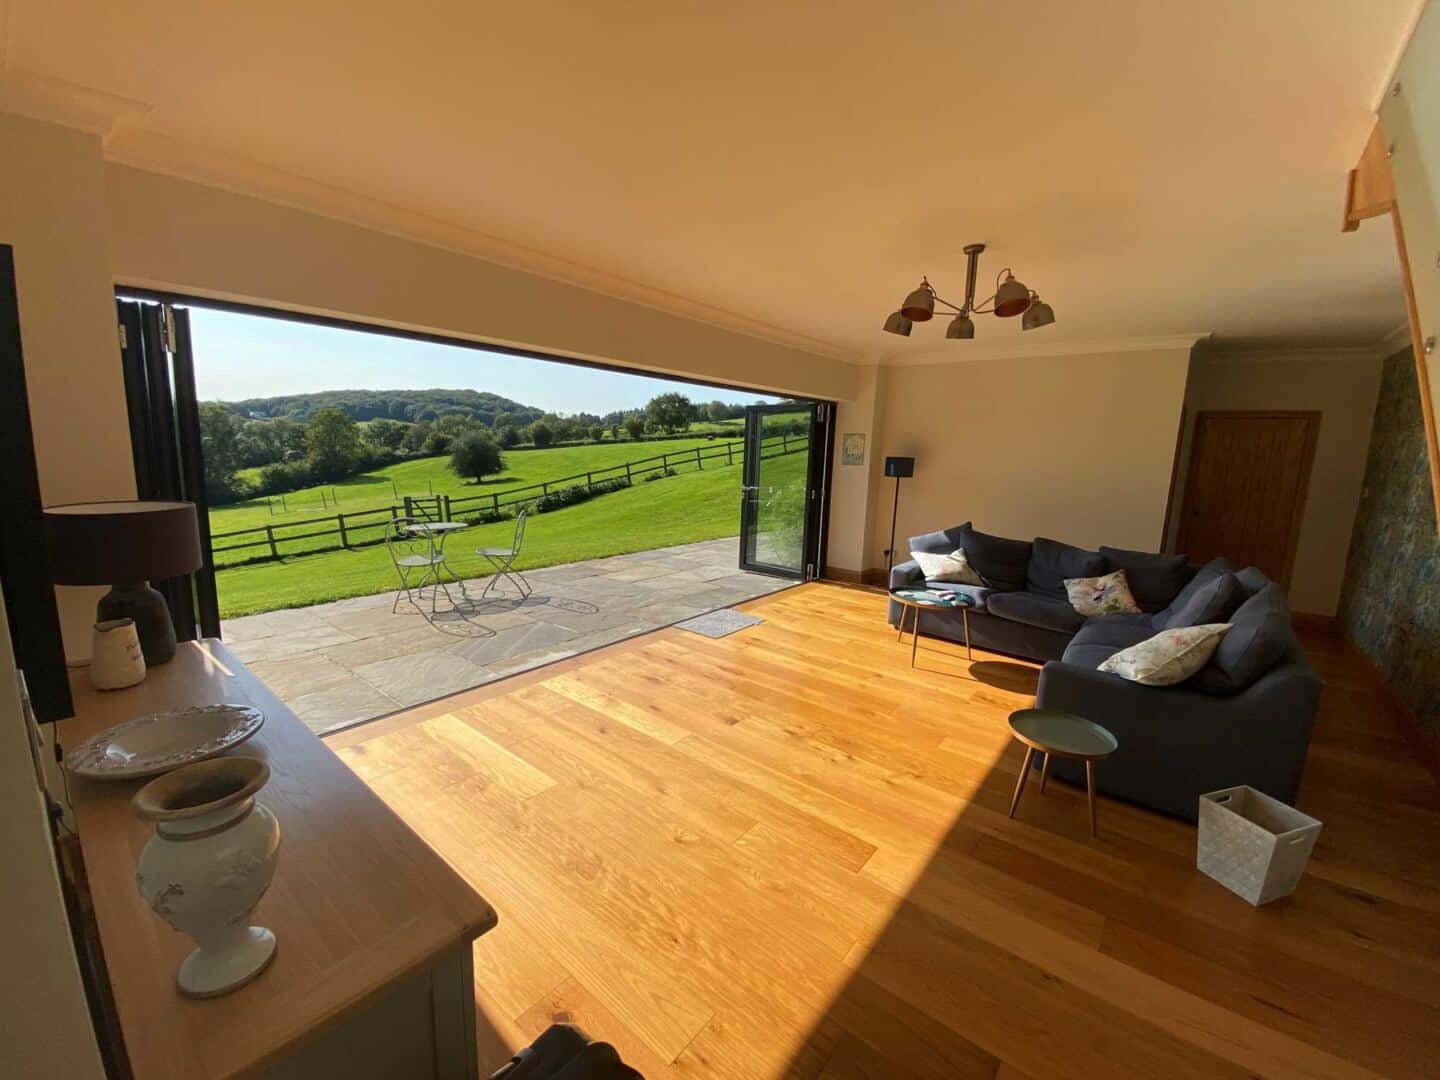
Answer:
(1245, 718)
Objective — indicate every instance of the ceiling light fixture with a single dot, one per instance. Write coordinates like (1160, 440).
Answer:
(1010, 298)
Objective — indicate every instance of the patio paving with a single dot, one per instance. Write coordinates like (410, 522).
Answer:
(347, 661)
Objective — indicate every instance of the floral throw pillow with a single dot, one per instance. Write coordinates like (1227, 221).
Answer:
(1107, 595)
(952, 567)
(1169, 657)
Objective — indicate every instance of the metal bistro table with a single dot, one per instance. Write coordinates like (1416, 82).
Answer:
(918, 600)
(437, 531)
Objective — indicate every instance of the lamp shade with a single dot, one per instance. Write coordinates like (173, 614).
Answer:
(900, 467)
(919, 306)
(107, 543)
(1037, 314)
(962, 327)
(898, 324)
(1011, 298)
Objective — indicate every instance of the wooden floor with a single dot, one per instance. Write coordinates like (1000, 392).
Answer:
(786, 853)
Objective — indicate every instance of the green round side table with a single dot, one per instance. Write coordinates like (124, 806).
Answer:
(1060, 734)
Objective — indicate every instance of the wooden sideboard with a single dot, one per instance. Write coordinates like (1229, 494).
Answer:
(373, 975)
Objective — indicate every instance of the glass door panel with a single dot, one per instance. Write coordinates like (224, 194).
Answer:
(777, 526)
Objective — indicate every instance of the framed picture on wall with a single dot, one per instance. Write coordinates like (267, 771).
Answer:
(852, 449)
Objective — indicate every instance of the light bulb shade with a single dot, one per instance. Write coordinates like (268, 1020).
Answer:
(919, 306)
(961, 328)
(1037, 314)
(1011, 298)
(897, 324)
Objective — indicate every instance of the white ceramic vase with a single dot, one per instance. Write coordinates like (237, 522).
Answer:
(210, 861)
(115, 657)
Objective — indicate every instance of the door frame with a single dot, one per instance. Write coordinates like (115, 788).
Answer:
(1307, 466)
(817, 488)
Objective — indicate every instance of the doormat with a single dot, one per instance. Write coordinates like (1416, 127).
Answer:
(718, 624)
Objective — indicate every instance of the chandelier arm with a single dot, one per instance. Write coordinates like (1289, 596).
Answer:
(981, 309)
(953, 307)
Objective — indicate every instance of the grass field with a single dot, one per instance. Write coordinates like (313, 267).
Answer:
(692, 506)
(432, 475)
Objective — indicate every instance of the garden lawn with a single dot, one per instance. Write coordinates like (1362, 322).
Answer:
(432, 476)
(681, 509)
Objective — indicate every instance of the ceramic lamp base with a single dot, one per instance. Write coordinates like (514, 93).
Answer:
(146, 606)
(228, 966)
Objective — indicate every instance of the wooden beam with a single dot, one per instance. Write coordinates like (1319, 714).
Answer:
(1370, 190)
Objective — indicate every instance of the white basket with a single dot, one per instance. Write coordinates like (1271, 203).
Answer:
(1254, 845)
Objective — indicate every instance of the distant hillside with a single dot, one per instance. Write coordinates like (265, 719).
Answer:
(394, 404)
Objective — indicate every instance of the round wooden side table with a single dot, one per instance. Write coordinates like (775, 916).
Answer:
(918, 600)
(1060, 734)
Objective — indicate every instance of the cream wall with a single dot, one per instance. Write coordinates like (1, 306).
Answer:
(852, 488)
(52, 211)
(1342, 387)
(174, 234)
(1078, 448)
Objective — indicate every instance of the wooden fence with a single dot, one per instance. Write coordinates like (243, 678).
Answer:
(361, 528)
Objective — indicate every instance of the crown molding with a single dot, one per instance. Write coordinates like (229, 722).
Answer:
(56, 101)
(1070, 347)
(1397, 339)
(153, 152)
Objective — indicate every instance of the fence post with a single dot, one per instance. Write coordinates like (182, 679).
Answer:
(447, 516)
(495, 502)
(409, 511)
(729, 453)
(344, 539)
(545, 487)
(699, 464)
(270, 535)
(628, 480)
(589, 480)
(784, 443)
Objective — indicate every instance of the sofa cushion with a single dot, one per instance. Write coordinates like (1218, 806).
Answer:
(1155, 579)
(1202, 577)
(1000, 561)
(1260, 637)
(1252, 579)
(951, 566)
(1042, 611)
(940, 542)
(1212, 602)
(1170, 657)
(1051, 562)
(1116, 631)
(1089, 654)
(1108, 594)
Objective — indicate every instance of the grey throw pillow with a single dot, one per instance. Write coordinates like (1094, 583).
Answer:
(1212, 601)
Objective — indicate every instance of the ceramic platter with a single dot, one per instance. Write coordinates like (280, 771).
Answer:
(158, 742)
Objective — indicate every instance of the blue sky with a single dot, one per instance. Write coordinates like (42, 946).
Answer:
(244, 356)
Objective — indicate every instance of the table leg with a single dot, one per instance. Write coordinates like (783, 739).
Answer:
(965, 618)
(1020, 783)
(1045, 772)
(1090, 791)
(900, 634)
(914, 637)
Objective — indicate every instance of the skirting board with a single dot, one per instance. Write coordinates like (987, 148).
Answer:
(1321, 624)
(1425, 744)
(845, 574)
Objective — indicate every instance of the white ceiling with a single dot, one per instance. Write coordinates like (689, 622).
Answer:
(1151, 168)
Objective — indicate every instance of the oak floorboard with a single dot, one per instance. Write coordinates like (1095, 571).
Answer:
(786, 853)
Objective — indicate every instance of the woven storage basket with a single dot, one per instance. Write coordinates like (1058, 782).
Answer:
(1254, 845)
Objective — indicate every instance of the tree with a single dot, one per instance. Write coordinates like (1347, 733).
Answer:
(476, 455)
(385, 432)
(508, 435)
(635, 425)
(332, 444)
(670, 412)
(717, 411)
(541, 434)
(414, 438)
(220, 449)
(596, 432)
(615, 432)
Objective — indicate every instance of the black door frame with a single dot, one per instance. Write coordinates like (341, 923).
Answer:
(817, 488)
(822, 436)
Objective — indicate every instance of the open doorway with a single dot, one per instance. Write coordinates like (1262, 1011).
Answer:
(394, 518)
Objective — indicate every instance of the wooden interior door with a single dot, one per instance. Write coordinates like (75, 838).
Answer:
(1245, 488)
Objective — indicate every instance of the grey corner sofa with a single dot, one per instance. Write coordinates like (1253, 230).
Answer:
(1245, 718)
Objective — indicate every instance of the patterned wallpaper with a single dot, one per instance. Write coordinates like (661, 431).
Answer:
(1390, 606)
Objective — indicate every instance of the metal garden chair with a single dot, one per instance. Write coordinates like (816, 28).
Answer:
(503, 562)
(417, 560)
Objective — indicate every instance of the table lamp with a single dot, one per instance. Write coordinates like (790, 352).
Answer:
(126, 545)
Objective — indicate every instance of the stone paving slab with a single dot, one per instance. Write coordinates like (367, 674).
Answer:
(346, 661)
